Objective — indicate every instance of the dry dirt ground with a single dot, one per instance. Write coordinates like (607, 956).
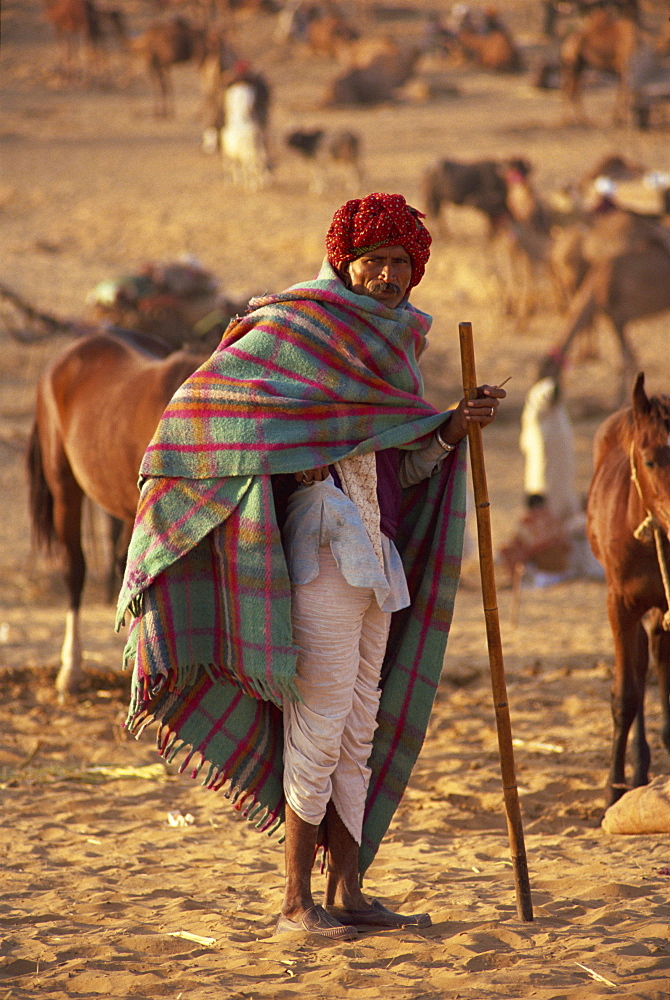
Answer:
(98, 888)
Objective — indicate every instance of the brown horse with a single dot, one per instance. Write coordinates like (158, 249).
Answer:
(96, 410)
(628, 525)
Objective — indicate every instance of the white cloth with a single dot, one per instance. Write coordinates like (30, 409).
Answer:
(342, 597)
(548, 447)
(358, 476)
(321, 514)
(242, 139)
(341, 634)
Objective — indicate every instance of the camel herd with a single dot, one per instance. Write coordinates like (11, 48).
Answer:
(369, 69)
(609, 38)
(598, 258)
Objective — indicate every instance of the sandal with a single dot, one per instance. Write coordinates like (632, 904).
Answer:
(317, 921)
(378, 916)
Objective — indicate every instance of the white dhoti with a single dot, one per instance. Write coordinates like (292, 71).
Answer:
(341, 634)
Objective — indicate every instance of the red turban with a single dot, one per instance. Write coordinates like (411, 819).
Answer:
(378, 220)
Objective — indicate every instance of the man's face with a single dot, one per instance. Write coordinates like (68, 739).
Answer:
(383, 274)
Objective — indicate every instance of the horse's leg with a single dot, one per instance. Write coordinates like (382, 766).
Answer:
(70, 673)
(67, 508)
(119, 536)
(659, 645)
(630, 644)
(640, 747)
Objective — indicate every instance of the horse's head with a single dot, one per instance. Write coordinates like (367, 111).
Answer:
(650, 451)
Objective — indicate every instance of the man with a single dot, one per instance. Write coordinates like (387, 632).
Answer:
(244, 135)
(295, 559)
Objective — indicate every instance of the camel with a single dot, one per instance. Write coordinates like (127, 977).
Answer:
(629, 286)
(325, 152)
(565, 243)
(587, 227)
(567, 254)
(604, 234)
(166, 44)
(500, 189)
(81, 28)
(328, 34)
(380, 67)
(490, 45)
(320, 27)
(606, 42)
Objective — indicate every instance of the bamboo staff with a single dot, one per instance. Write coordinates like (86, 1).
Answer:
(506, 752)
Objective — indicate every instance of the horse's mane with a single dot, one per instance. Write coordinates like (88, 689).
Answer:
(144, 343)
(660, 409)
(618, 430)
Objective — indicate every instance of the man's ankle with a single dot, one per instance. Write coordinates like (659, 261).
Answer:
(345, 898)
(296, 907)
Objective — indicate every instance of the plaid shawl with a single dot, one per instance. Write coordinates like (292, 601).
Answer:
(308, 377)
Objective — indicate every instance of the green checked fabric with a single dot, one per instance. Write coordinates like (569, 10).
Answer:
(308, 377)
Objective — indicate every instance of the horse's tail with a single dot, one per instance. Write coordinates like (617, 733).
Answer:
(41, 501)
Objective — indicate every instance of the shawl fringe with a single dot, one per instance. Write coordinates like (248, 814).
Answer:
(169, 746)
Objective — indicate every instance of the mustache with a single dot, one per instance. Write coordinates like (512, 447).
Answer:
(384, 286)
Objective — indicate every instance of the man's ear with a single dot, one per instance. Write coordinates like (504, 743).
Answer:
(343, 271)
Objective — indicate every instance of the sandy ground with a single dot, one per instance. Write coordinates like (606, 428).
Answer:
(98, 888)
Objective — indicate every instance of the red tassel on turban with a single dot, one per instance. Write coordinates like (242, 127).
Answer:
(378, 220)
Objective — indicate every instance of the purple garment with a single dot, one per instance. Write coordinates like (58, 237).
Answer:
(389, 491)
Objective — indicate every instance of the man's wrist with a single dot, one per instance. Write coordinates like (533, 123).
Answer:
(444, 444)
